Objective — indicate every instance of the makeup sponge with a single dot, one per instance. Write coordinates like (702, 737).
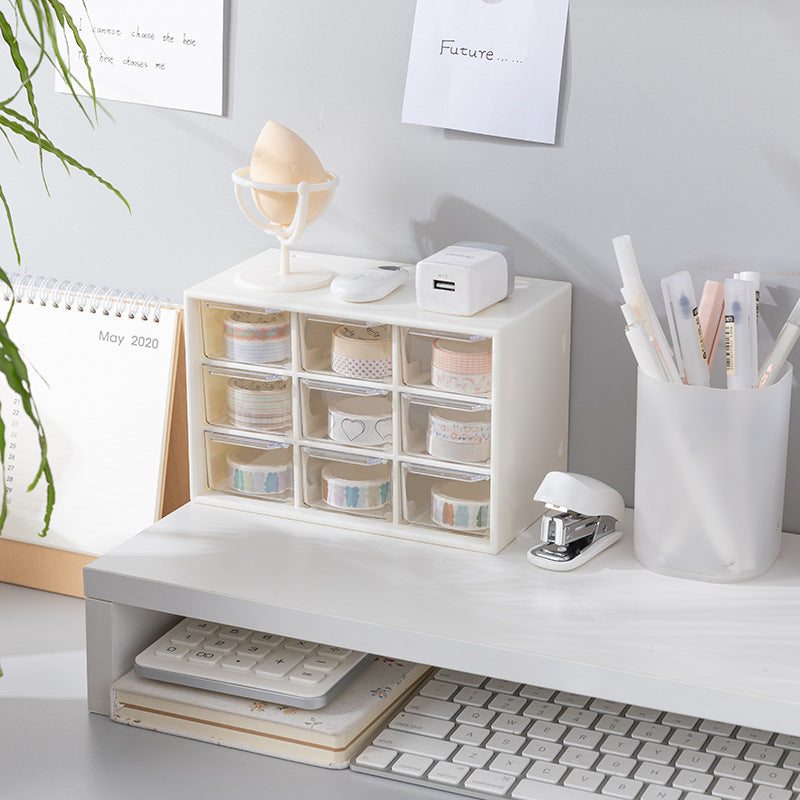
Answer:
(281, 156)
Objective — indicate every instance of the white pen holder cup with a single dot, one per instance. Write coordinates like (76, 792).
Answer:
(710, 476)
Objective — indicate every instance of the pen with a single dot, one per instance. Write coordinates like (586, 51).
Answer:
(740, 333)
(780, 350)
(684, 327)
(712, 304)
(754, 278)
(643, 350)
(635, 296)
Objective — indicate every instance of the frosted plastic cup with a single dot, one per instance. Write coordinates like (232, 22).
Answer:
(710, 477)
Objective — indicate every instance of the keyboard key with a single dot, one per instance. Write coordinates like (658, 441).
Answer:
(725, 746)
(692, 781)
(698, 762)
(571, 699)
(464, 678)
(730, 789)
(438, 690)
(578, 737)
(616, 765)
(469, 734)
(792, 761)
(510, 723)
(625, 789)
(549, 731)
(768, 793)
(472, 697)
(579, 717)
(642, 713)
(534, 790)
(540, 710)
(753, 735)
(584, 779)
(654, 773)
(414, 766)
(472, 756)
(733, 768)
(773, 776)
(173, 651)
(505, 742)
(578, 757)
(688, 740)
(545, 772)
(378, 757)
(504, 687)
(441, 709)
(654, 792)
(619, 745)
(483, 780)
(509, 764)
(679, 721)
(506, 703)
(789, 742)
(612, 724)
(416, 723)
(763, 754)
(543, 751)
(447, 773)
(648, 731)
(416, 745)
(607, 707)
(657, 753)
(715, 728)
(531, 692)
(472, 715)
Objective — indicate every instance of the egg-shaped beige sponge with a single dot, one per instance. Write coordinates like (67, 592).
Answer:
(281, 156)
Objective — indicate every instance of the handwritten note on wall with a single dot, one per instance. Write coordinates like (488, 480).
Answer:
(487, 66)
(157, 52)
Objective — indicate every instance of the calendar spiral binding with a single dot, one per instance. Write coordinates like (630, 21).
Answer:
(74, 295)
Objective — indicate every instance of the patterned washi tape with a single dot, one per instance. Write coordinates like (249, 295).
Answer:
(458, 366)
(362, 352)
(257, 338)
(259, 403)
(360, 420)
(459, 435)
(260, 472)
(461, 506)
(356, 487)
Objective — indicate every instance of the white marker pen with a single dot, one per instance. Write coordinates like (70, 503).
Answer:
(740, 334)
(786, 340)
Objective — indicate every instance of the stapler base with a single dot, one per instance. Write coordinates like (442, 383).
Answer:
(563, 558)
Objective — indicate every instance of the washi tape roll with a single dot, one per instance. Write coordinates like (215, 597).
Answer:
(458, 366)
(461, 506)
(257, 338)
(459, 435)
(361, 420)
(362, 352)
(356, 487)
(259, 403)
(260, 472)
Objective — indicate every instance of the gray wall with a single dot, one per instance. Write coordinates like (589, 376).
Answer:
(679, 124)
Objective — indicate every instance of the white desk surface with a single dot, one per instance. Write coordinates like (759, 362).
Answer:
(610, 629)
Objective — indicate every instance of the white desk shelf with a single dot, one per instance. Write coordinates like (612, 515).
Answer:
(610, 629)
(523, 405)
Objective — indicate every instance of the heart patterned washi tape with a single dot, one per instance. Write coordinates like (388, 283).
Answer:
(353, 428)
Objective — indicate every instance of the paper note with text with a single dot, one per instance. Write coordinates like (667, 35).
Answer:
(487, 66)
(167, 54)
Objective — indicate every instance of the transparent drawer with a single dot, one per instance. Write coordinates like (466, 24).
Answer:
(360, 350)
(247, 400)
(337, 481)
(246, 335)
(448, 430)
(442, 498)
(349, 415)
(450, 362)
(256, 468)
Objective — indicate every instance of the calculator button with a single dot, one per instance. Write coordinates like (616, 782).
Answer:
(216, 645)
(278, 663)
(175, 651)
(201, 626)
(267, 639)
(339, 653)
(322, 664)
(238, 663)
(239, 634)
(185, 637)
(205, 657)
(300, 645)
(307, 676)
(253, 650)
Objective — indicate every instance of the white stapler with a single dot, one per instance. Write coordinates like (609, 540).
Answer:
(580, 521)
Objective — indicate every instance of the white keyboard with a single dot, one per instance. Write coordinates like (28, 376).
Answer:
(482, 737)
(249, 663)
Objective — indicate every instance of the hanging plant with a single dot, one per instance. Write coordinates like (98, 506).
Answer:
(48, 36)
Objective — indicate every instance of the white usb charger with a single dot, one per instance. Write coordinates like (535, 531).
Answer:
(465, 278)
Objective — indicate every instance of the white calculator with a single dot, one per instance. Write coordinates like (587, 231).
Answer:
(248, 663)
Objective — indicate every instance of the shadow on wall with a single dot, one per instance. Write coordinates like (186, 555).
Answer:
(603, 391)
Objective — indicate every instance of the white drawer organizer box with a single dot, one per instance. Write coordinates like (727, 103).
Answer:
(398, 421)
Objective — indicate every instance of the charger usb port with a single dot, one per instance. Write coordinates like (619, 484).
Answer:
(444, 286)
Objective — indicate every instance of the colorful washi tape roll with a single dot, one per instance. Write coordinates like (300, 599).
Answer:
(356, 487)
(259, 403)
(462, 366)
(362, 352)
(257, 338)
(461, 506)
(260, 472)
(459, 435)
(361, 420)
